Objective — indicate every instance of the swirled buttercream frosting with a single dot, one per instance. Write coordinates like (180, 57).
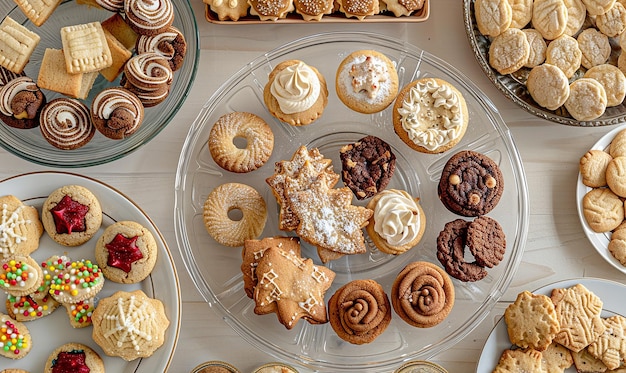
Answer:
(396, 217)
(296, 88)
(432, 114)
(66, 123)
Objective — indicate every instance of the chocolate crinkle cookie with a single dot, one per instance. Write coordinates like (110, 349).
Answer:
(367, 166)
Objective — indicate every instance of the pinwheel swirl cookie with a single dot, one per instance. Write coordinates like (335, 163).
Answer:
(149, 76)
(359, 311)
(130, 325)
(149, 17)
(21, 102)
(117, 112)
(170, 44)
(66, 124)
(422, 294)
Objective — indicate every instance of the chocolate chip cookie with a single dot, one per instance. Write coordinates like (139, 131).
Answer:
(367, 166)
(451, 244)
(471, 184)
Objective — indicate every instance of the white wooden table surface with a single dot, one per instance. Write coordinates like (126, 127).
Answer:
(556, 247)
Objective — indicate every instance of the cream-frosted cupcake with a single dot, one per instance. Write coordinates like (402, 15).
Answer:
(398, 222)
(296, 93)
(430, 115)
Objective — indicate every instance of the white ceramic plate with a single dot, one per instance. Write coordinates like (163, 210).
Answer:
(215, 269)
(611, 293)
(54, 330)
(600, 241)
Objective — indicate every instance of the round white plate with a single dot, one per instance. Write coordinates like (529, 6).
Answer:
(54, 330)
(600, 241)
(216, 269)
(611, 293)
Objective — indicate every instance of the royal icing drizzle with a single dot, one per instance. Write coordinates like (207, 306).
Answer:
(296, 88)
(131, 321)
(431, 114)
(396, 217)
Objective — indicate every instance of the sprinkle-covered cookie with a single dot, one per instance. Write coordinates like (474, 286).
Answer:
(19, 275)
(15, 340)
(78, 280)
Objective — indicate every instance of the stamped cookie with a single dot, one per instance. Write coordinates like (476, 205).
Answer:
(613, 81)
(598, 7)
(292, 287)
(519, 361)
(549, 18)
(578, 311)
(359, 311)
(613, 22)
(71, 215)
(617, 147)
(367, 166)
(531, 321)
(564, 53)
(422, 294)
(594, 46)
(616, 175)
(126, 252)
(587, 363)
(38, 12)
(603, 209)
(471, 184)
(74, 357)
(521, 13)
(17, 336)
(556, 358)
(486, 241)
(610, 347)
(548, 86)
(592, 166)
(538, 46)
(130, 325)
(587, 99)
(17, 44)
(20, 226)
(617, 245)
(576, 16)
(493, 16)
(85, 48)
(451, 243)
(509, 51)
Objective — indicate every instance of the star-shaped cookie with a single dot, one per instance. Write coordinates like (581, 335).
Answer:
(292, 287)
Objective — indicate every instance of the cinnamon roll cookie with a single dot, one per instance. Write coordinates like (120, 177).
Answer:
(149, 17)
(66, 124)
(422, 294)
(21, 101)
(149, 77)
(170, 44)
(359, 311)
(117, 112)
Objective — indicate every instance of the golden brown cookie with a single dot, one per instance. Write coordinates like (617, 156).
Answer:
(592, 166)
(126, 252)
(296, 104)
(17, 44)
(587, 363)
(556, 358)
(75, 357)
(359, 9)
(85, 48)
(71, 215)
(422, 294)
(21, 227)
(270, 10)
(613, 81)
(603, 209)
(129, 325)
(258, 136)
(617, 245)
(313, 10)
(616, 175)
(610, 347)
(519, 361)
(359, 311)
(618, 144)
(531, 321)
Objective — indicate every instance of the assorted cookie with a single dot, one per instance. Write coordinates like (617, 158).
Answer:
(15, 339)
(74, 357)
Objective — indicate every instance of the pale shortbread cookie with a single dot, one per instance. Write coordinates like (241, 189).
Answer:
(538, 47)
(493, 16)
(617, 147)
(613, 22)
(610, 347)
(613, 81)
(621, 61)
(576, 15)
(594, 46)
(593, 166)
(509, 51)
(531, 321)
(519, 361)
(38, 11)
(17, 44)
(587, 363)
(556, 358)
(85, 48)
(622, 40)
(522, 13)
(548, 86)
(617, 245)
(564, 53)
(587, 99)
(603, 210)
(597, 7)
(403, 7)
(229, 9)
(616, 175)
(549, 18)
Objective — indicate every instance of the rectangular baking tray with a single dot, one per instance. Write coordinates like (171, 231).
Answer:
(336, 17)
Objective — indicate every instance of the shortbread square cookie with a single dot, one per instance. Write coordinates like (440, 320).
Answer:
(17, 44)
(85, 48)
(119, 55)
(54, 76)
(38, 11)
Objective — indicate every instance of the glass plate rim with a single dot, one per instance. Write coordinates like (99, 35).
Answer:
(290, 47)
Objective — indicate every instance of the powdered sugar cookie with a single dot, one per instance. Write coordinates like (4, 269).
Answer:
(522, 13)
(594, 46)
(576, 15)
(493, 16)
(613, 81)
(509, 51)
(548, 86)
(613, 22)
(550, 18)
(598, 7)
(587, 99)
(538, 47)
(565, 54)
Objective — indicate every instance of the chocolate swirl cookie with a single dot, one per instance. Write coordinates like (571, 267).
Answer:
(149, 17)
(422, 294)
(149, 77)
(111, 5)
(359, 311)
(21, 101)
(116, 112)
(170, 44)
(66, 123)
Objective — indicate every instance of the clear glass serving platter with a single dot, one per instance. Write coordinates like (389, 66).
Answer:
(513, 86)
(215, 269)
(30, 144)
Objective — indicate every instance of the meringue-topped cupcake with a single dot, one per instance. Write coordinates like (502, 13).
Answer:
(296, 93)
